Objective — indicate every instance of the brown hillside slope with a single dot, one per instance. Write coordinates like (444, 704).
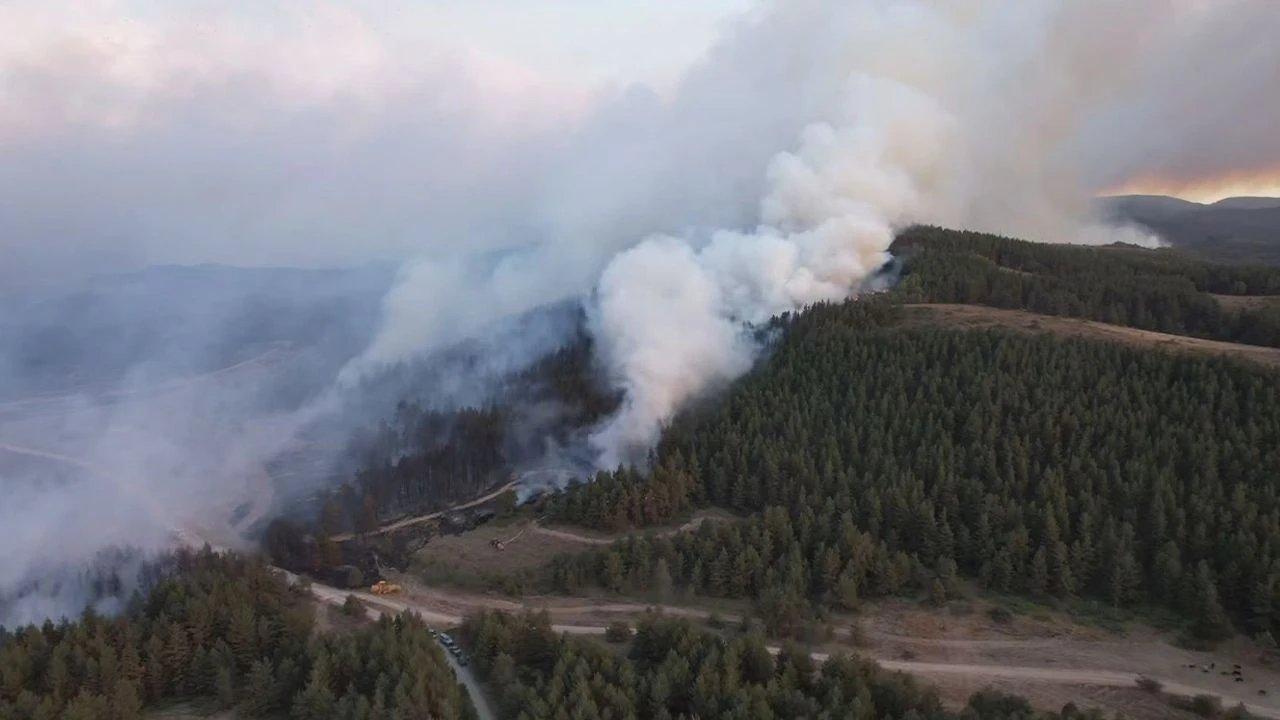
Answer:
(977, 316)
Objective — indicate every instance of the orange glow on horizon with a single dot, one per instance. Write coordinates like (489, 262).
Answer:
(1204, 191)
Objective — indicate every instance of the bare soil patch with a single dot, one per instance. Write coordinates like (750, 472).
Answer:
(472, 558)
(591, 537)
(978, 316)
(1044, 656)
(473, 551)
(1053, 659)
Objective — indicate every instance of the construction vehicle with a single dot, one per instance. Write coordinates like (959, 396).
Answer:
(382, 587)
(500, 545)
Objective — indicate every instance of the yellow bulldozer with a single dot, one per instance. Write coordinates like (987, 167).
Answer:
(382, 587)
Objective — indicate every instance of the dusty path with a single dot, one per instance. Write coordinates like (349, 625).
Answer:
(981, 316)
(578, 537)
(1063, 676)
(377, 606)
(417, 519)
(479, 698)
(446, 608)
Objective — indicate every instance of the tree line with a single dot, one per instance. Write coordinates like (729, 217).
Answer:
(673, 669)
(1159, 290)
(229, 632)
(874, 458)
(424, 458)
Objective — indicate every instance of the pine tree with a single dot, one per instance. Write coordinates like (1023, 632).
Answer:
(315, 702)
(1038, 582)
(177, 658)
(661, 583)
(1210, 620)
(125, 702)
(259, 694)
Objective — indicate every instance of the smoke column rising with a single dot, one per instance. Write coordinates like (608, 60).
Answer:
(773, 174)
(815, 129)
(672, 319)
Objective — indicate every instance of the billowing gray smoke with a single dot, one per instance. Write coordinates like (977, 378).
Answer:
(826, 126)
(145, 408)
(773, 174)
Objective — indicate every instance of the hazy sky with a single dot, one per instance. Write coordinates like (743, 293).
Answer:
(335, 131)
(583, 40)
(138, 131)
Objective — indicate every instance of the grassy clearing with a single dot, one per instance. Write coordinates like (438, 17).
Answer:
(1088, 612)
(975, 317)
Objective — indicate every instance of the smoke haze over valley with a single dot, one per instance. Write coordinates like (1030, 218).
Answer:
(235, 237)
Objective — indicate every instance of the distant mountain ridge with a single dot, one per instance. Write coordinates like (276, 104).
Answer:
(1233, 230)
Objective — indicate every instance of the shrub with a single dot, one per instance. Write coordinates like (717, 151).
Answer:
(352, 577)
(1265, 639)
(617, 632)
(1209, 706)
(1150, 685)
(353, 607)
(1000, 615)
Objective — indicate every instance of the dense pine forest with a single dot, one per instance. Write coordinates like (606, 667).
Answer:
(675, 670)
(423, 459)
(877, 459)
(1152, 290)
(227, 632)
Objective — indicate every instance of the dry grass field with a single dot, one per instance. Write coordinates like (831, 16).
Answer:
(978, 316)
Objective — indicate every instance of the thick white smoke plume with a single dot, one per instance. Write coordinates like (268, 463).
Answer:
(827, 126)
(772, 174)
(673, 319)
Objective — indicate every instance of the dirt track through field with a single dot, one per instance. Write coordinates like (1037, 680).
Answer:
(418, 519)
(444, 608)
(577, 537)
(981, 316)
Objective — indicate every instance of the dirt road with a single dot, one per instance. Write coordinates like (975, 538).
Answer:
(578, 537)
(417, 519)
(1065, 676)
(479, 698)
(446, 608)
(979, 316)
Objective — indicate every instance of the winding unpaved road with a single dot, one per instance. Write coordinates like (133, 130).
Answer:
(980, 316)
(418, 519)
(571, 536)
(377, 606)
(446, 608)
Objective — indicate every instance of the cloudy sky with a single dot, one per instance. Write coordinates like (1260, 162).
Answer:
(337, 131)
(142, 131)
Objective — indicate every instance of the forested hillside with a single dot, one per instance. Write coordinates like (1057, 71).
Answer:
(1151, 290)
(1237, 230)
(675, 670)
(874, 458)
(424, 459)
(228, 632)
